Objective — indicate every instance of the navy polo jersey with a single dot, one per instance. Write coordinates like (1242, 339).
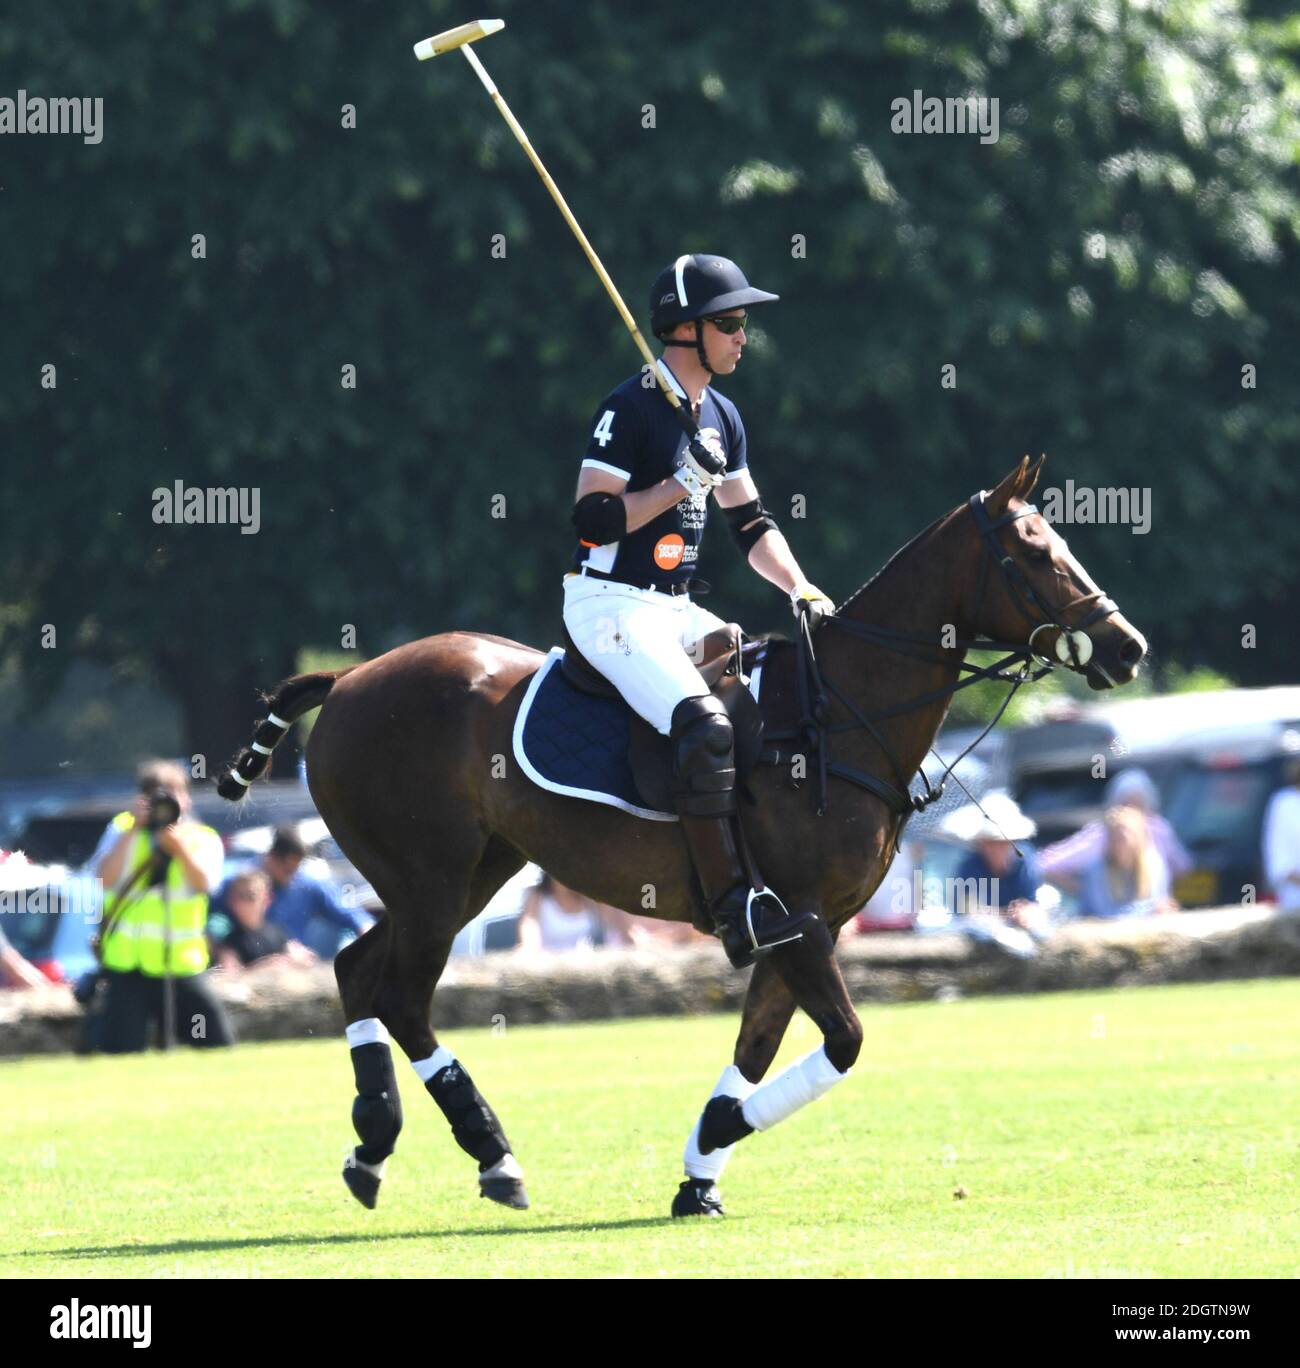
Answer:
(636, 436)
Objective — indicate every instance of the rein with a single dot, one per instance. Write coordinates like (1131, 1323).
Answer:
(1072, 646)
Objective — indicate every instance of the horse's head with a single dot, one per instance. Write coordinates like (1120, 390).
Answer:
(1029, 588)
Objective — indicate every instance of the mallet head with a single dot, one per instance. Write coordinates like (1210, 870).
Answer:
(457, 37)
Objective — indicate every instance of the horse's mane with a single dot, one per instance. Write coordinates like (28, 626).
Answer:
(904, 550)
(781, 639)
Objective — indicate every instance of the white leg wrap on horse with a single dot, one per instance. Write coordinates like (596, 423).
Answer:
(803, 1082)
(367, 1031)
(733, 1083)
(441, 1058)
(505, 1167)
(376, 1169)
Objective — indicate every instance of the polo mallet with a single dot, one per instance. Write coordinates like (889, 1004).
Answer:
(461, 37)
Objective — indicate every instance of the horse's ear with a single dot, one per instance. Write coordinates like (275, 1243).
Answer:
(1008, 488)
(1032, 477)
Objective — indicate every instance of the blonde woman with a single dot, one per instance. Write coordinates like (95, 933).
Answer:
(1129, 878)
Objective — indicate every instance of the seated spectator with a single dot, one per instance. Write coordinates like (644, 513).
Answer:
(556, 918)
(1282, 841)
(994, 877)
(306, 909)
(1062, 862)
(252, 940)
(1129, 877)
(17, 972)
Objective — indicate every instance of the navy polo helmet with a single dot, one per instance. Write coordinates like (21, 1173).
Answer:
(697, 286)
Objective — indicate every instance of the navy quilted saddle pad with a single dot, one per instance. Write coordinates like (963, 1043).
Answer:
(576, 743)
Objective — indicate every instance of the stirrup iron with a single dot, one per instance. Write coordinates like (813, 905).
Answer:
(755, 896)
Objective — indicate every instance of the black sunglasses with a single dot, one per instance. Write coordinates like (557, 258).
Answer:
(730, 324)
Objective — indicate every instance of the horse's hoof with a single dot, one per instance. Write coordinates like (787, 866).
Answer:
(362, 1184)
(722, 1123)
(508, 1191)
(698, 1197)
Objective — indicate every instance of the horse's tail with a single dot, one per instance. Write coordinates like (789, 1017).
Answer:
(288, 701)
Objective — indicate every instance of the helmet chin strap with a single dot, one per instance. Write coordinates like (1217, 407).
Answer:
(698, 344)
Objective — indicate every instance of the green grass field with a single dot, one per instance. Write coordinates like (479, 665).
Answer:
(1135, 1133)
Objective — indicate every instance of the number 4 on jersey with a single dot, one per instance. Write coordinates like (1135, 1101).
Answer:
(605, 428)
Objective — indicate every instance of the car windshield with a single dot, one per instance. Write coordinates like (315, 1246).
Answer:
(1050, 793)
(1040, 794)
(1218, 806)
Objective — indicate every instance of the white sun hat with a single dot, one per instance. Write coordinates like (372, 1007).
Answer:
(1004, 820)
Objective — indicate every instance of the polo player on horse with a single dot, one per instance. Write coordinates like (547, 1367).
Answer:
(640, 511)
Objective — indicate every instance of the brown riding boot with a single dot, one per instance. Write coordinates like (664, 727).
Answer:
(704, 793)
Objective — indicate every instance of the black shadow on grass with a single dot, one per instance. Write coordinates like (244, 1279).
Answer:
(141, 1251)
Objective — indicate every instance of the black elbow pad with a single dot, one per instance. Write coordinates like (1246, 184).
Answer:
(600, 519)
(741, 514)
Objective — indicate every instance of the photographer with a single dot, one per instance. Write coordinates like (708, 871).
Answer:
(158, 867)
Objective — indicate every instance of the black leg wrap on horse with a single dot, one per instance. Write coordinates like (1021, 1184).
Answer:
(722, 1124)
(474, 1124)
(377, 1111)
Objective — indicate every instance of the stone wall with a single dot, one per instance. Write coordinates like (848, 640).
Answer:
(1232, 943)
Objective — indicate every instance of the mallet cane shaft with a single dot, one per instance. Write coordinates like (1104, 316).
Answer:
(461, 37)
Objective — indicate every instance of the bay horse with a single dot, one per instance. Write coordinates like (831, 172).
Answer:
(411, 766)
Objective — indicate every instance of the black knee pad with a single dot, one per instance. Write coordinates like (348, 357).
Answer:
(691, 711)
(377, 1110)
(704, 768)
(474, 1125)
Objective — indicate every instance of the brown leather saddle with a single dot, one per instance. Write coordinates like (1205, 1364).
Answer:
(649, 754)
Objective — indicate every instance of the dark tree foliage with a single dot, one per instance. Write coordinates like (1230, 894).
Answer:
(1098, 277)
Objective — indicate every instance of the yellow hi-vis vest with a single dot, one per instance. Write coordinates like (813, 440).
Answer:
(140, 938)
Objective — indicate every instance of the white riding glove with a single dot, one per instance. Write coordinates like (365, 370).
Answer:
(818, 604)
(703, 463)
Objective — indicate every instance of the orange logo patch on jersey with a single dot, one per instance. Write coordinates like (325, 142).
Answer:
(668, 551)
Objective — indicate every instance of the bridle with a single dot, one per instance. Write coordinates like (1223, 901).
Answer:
(1073, 644)
(1073, 647)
